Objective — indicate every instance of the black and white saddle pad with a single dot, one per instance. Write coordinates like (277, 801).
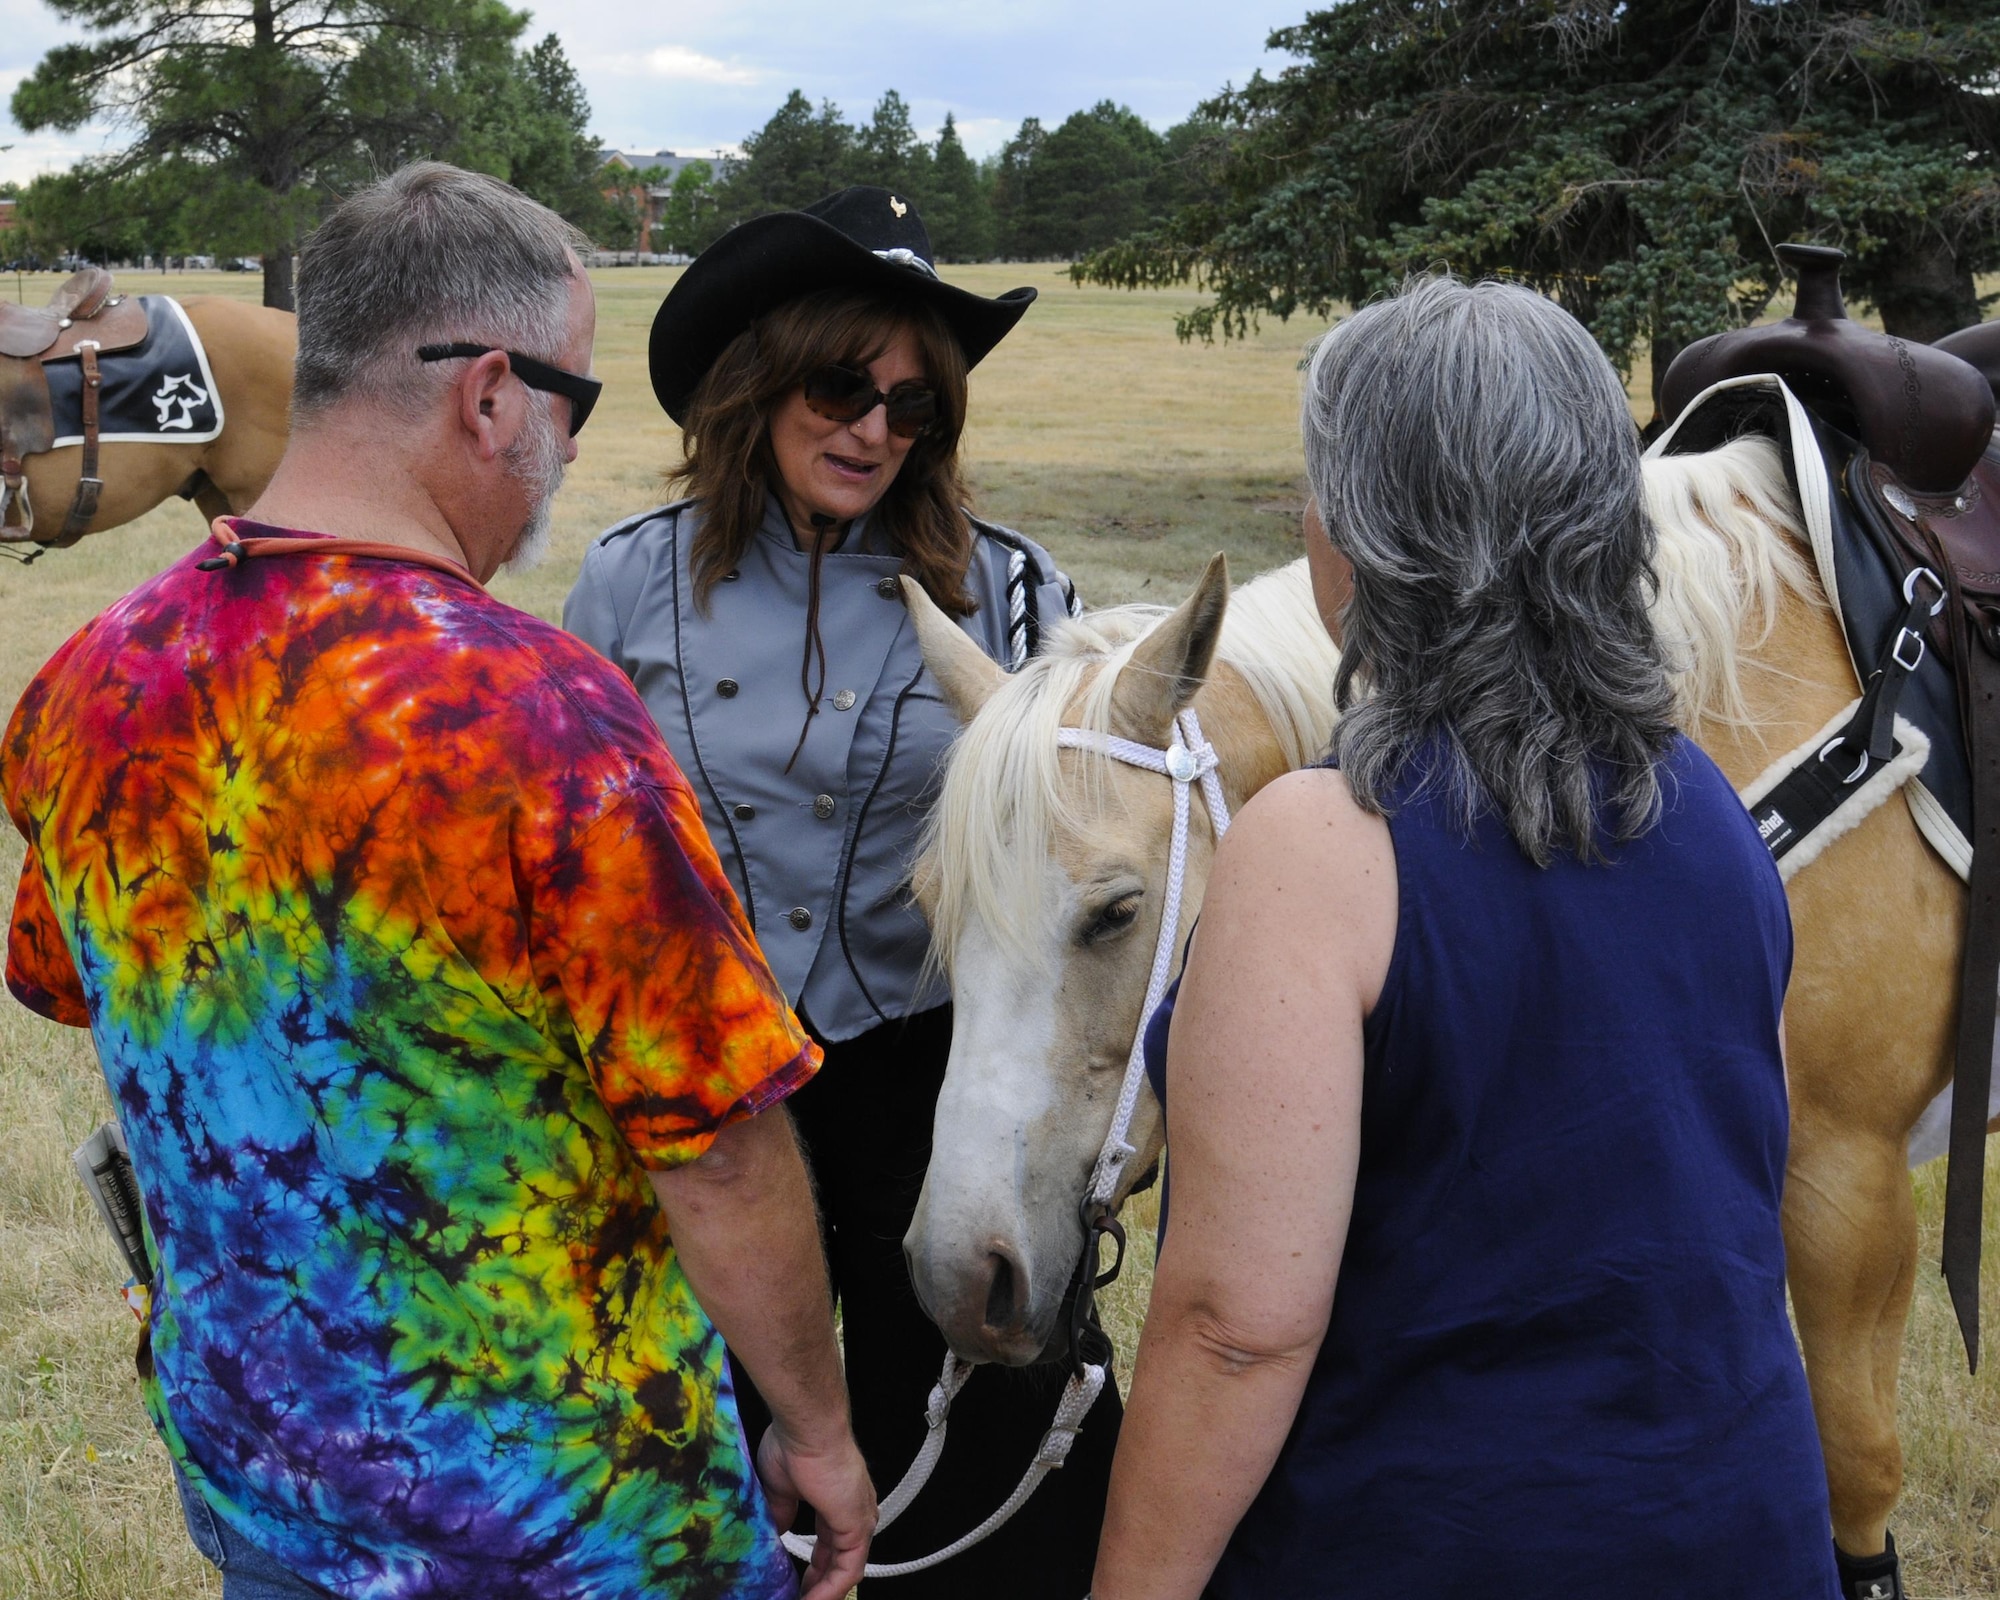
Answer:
(159, 392)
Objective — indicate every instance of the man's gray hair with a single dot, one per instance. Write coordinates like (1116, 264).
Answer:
(429, 254)
(1472, 454)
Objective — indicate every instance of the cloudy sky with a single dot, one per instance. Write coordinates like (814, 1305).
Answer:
(697, 75)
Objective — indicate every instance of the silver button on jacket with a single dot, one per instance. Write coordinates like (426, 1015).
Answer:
(820, 855)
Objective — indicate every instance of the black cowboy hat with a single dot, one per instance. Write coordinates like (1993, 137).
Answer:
(861, 238)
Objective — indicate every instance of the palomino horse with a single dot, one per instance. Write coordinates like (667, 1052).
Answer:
(1043, 877)
(250, 350)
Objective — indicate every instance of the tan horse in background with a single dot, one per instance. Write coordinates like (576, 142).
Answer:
(1044, 872)
(250, 352)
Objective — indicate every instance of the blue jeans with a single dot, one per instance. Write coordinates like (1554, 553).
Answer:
(247, 1573)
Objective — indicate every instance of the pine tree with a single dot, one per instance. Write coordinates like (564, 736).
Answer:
(1635, 161)
(958, 209)
(1090, 181)
(888, 152)
(799, 156)
(542, 143)
(1014, 220)
(247, 115)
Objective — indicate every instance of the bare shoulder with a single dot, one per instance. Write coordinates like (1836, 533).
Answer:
(1303, 858)
(1311, 791)
(1307, 825)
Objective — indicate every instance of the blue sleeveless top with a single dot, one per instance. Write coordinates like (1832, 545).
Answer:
(1558, 1360)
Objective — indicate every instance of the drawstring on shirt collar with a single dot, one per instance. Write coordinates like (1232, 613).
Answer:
(234, 548)
(815, 646)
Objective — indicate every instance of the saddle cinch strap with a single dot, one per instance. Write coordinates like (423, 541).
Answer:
(1957, 534)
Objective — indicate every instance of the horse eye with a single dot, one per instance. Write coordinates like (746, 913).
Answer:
(1113, 920)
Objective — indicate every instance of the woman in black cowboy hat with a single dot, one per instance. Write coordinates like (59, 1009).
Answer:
(817, 366)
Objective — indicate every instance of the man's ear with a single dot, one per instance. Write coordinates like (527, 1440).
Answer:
(488, 402)
(965, 674)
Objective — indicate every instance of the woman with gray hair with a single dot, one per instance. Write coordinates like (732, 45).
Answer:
(1473, 1281)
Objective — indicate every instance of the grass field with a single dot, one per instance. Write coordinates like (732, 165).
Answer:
(1132, 458)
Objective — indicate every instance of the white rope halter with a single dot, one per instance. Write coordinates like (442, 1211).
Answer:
(1190, 758)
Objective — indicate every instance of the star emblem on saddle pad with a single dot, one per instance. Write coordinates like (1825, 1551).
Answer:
(897, 206)
(177, 399)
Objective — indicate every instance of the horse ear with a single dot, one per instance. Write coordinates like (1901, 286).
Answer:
(965, 673)
(1171, 663)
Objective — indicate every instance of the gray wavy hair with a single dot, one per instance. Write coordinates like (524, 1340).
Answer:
(1471, 453)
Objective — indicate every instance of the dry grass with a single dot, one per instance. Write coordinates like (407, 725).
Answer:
(1132, 457)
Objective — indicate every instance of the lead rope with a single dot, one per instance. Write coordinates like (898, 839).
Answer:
(1078, 1396)
(1190, 758)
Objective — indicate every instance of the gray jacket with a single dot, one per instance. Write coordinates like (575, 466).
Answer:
(821, 854)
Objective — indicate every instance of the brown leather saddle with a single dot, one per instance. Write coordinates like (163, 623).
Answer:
(83, 320)
(1908, 438)
(1981, 347)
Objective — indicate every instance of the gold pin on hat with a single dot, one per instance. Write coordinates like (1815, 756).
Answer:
(897, 206)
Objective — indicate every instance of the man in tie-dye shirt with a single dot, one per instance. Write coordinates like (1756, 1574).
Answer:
(437, 1034)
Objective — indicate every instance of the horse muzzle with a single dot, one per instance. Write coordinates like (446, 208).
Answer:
(985, 1302)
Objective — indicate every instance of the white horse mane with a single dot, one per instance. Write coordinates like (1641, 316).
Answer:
(1003, 796)
(1722, 575)
(1721, 569)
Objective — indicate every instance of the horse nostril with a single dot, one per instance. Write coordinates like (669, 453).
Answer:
(1000, 1294)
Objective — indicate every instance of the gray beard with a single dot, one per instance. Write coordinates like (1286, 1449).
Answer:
(531, 548)
(536, 462)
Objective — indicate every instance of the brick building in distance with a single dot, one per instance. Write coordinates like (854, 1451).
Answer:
(621, 169)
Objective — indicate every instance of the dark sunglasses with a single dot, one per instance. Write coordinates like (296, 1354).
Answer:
(842, 395)
(579, 391)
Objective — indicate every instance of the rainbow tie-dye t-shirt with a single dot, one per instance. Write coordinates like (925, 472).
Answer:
(405, 954)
